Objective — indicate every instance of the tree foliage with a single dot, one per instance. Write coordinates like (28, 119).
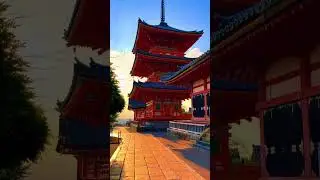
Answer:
(23, 127)
(117, 101)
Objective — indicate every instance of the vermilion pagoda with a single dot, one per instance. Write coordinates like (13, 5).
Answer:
(84, 114)
(159, 50)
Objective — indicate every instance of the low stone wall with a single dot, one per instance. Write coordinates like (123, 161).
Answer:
(183, 135)
(150, 127)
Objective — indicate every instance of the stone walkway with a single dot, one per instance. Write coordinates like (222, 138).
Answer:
(143, 157)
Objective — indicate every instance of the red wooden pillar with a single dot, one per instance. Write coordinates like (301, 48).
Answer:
(263, 153)
(205, 98)
(305, 75)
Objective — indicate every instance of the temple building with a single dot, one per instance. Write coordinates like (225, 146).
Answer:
(267, 56)
(159, 53)
(195, 75)
(84, 113)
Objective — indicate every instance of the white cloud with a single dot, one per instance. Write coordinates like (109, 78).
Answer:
(193, 53)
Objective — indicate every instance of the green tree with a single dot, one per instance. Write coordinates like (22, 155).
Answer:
(117, 101)
(23, 127)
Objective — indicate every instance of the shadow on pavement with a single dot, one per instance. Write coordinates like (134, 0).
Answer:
(199, 157)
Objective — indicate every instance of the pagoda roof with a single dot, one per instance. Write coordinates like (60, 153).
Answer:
(163, 29)
(145, 91)
(159, 58)
(158, 85)
(93, 71)
(164, 56)
(165, 26)
(88, 17)
(230, 24)
(133, 104)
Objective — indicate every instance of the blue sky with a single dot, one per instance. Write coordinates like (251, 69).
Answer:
(181, 14)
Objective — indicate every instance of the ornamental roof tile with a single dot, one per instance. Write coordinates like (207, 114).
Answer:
(94, 70)
(230, 24)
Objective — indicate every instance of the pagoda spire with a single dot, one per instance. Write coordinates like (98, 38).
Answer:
(163, 18)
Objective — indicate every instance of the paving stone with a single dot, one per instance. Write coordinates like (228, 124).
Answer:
(143, 157)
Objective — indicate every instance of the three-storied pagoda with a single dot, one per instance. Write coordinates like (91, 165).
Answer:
(84, 114)
(272, 49)
(159, 50)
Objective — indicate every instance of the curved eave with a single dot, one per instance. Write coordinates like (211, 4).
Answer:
(133, 104)
(78, 33)
(181, 74)
(73, 19)
(78, 73)
(142, 24)
(135, 108)
(71, 90)
(157, 57)
(155, 90)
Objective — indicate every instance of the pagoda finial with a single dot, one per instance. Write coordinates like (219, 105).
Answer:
(163, 18)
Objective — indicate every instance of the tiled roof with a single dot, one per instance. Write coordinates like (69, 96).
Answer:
(164, 56)
(133, 104)
(74, 15)
(169, 76)
(94, 70)
(165, 26)
(232, 23)
(232, 86)
(158, 85)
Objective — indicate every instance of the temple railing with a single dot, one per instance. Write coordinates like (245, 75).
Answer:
(193, 130)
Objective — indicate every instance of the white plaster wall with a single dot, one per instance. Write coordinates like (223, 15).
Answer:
(286, 87)
(198, 89)
(197, 83)
(282, 67)
(279, 68)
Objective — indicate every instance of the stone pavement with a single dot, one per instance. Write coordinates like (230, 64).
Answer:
(143, 157)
